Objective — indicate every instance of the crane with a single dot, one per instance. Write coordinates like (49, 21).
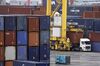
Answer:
(62, 43)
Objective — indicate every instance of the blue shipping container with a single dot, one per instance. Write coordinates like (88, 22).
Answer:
(21, 23)
(96, 46)
(21, 38)
(22, 53)
(10, 23)
(97, 24)
(1, 64)
(44, 23)
(33, 53)
(44, 37)
(1, 23)
(29, 63)
(44, 52)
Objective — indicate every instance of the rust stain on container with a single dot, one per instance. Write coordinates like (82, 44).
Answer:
(1, 53)
(1, 38)
(33, 39)
(10, 38)
(95, 37)
(33, 23)
(75, 36)
(9, 63)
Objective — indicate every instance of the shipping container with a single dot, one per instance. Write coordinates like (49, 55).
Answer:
(21, 23)
(1, 38)
(97, 14)
(1, 54)
(88, 14)
(1, 64)
(10, 38)
(75, 37)
(44, 22)
(33, 53)
(30, 63)
(8, 63)
(45, 52)
(78, 10)
(97, 25)
(19, 10)
(44, 37)
(33, 38)
(4, 9)
(94, 36)
(21, 38)
(96, 46)
(10, 53)
(10, 23)
(1, 23)
(96, 8)
(33, 23)
(21, 52)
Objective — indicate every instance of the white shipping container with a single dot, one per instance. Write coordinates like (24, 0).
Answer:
(10, 53)
(56, 32)
(57, 21)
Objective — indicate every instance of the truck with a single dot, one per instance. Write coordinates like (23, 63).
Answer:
(85, 44)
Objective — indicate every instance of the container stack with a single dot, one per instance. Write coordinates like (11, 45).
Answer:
(24, 38)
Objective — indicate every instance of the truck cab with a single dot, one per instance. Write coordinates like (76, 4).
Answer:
(85, 44)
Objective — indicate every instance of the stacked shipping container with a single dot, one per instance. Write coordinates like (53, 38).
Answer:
(24, 38)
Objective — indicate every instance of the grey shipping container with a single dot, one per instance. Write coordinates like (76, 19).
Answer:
(21, 52)
(21, 23)
(44, 37)
(1, 23)
(96, 46)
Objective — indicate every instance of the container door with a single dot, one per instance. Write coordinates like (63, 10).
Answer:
(9, 63)
(21, 53)
(10, 53)
(10, 38)
(1, 23)
(34, 53)
(21, 38)
(10, 23)
(21, 23)
(44, 23)
(1, 54)
(45, 52)
(1, 38)
(44, 37)
(33, 39)
(33, 23)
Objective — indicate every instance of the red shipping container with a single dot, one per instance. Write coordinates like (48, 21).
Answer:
(89, 14)
(97, 14)
(33, 23)
(75, 37)
(19, 10)
(10, 38)
(1, 54)
(96, 8)
(8, 63)
(1, 38)
(95, 37)
(4, 9)
(33, 38)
